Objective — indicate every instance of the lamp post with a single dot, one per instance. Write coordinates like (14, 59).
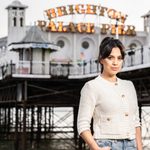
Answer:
(113, 14)
(116, 26)
(117, 34)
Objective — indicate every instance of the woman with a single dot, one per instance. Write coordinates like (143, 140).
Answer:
(112, 103)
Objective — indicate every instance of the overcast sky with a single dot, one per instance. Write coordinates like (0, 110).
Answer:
(35, 11)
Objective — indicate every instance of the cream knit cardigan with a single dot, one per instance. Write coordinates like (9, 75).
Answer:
(113, 107)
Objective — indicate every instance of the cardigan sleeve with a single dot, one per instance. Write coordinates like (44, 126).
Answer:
(137, 119)
(86, 108)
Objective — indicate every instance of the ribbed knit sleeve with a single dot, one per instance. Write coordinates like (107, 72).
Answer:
(86, 108)
(137, 119)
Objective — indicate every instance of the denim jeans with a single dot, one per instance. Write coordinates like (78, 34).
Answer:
(118, 144)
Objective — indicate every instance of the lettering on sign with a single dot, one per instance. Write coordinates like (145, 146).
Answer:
(82, 27)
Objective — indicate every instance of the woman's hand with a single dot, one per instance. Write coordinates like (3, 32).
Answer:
(88, 138)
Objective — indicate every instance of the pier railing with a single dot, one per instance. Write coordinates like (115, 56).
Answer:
(50, 69)
(135, 59)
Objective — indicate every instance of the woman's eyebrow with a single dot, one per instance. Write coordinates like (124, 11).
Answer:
(114, 56)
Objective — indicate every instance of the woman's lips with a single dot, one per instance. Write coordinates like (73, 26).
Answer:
(114, 68)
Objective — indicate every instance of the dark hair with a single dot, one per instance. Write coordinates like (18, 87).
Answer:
(106, 46)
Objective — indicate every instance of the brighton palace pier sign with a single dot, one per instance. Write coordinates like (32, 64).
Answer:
(86, 9)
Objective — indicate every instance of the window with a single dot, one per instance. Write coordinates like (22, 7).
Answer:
(15, 22)
(132, 46)
(25, 54)
(85, 45)
(21, 22)
(21, 55)
(61, 43)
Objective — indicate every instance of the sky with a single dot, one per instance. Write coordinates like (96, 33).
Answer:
(35, 11)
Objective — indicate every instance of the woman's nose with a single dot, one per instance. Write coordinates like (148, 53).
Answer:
(115, 62)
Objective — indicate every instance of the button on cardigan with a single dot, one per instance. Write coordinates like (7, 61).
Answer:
(112, 106)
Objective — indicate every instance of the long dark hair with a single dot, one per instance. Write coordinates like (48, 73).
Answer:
(106, 46)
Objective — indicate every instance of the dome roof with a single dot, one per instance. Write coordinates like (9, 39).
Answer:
(16, 4)
(147, 14)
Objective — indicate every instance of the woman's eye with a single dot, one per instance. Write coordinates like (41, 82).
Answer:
(110, 57)
(120, 58)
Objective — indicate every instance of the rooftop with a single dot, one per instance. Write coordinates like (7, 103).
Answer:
(16, 4)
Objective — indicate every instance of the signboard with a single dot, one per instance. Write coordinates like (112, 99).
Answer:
(87, 9)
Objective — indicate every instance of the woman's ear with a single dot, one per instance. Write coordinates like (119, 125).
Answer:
(101, 61)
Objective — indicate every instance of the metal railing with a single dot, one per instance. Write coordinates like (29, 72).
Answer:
(138, 58)
(52, 68)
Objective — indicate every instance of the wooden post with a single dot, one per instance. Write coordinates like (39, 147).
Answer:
(24, 116)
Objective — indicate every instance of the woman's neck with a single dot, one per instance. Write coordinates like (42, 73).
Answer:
(109, 78)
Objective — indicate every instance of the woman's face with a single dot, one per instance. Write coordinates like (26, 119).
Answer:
(113, 63)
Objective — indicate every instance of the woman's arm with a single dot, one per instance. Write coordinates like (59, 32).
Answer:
(139, 138)
(88, 138)
(137, 122)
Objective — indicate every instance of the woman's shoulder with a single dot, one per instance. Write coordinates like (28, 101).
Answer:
(92, 82)
(125, 82)
(95, 80)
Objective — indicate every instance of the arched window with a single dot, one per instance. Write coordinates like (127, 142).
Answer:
(15, 21)
(85, 45)
(61, 43)
(21, 22)
(132, 46)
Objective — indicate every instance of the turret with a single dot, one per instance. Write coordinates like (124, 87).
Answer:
(147, 22)
(16, 21)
